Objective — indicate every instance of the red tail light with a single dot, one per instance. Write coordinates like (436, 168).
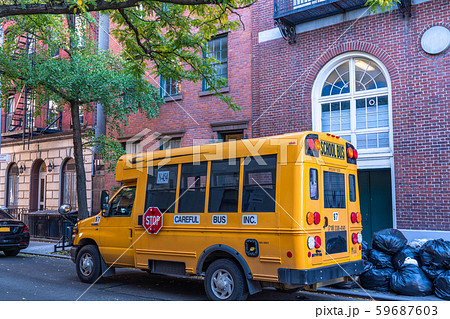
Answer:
(354, 238)
(353, 217)
(318, 241)
(310, 143)
(316, 218)
(25, 229)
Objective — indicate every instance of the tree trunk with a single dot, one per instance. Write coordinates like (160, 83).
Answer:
(79, 162)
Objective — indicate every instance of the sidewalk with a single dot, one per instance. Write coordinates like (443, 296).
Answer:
(43, 248)
(377, 295)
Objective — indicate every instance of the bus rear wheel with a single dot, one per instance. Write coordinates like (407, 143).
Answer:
(225, 281)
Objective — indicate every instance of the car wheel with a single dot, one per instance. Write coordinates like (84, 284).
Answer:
(88, 264)
(225, 281)
(11, 253)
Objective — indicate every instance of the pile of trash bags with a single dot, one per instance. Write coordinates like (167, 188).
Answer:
(415, 269)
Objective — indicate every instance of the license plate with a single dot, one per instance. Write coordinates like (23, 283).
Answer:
(4, 229)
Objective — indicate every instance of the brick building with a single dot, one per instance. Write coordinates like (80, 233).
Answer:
(327, 65)
(380, 81)
(37, 166)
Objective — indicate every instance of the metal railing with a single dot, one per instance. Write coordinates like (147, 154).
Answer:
(281, 6)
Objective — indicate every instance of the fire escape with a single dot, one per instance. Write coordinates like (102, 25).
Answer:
(21, 120)
(289, 13)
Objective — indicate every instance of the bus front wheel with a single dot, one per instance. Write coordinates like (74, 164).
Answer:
(225, 281)
(88, 264)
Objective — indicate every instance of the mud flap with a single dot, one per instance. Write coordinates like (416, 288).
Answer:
(253, 286)
(106, 270)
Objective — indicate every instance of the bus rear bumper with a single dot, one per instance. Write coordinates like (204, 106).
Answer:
(315, 275)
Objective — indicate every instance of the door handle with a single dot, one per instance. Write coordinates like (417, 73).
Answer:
(326, 222)
(131, 233)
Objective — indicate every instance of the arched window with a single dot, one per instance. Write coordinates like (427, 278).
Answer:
(69, 184)
(12, 186)
(351, 99)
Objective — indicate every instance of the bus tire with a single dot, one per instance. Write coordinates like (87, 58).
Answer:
(88, 264)
(225, 281)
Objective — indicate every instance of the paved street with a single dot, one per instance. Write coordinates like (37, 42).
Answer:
(29, 277)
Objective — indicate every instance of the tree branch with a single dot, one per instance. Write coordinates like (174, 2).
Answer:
(52, 7)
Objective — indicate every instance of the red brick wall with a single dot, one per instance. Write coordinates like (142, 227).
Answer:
(283, 76)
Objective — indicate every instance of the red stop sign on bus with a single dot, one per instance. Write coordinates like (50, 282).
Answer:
(152, 220)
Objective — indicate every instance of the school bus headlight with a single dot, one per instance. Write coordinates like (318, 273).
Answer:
(360, 239)
(311, 242)
(310, 218)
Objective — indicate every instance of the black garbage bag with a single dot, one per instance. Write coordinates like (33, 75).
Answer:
(442, 285)
(410, 280)
(377, 279)
(399, 258)
(367, 266)
(436, 252)
(380, 259)
(432, 272)
(365, 250)
(389, 241)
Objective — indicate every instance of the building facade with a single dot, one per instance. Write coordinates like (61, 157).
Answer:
(378, 80)
(37, 166)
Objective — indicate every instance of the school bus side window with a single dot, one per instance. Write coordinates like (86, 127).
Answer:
(259, 184)
(334, 189)
(162, 188)
(224, 186)
(352, 187)
(192, 188)
(313, 184)
(122, 203)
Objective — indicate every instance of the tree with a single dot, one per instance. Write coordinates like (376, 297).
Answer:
(82, 75)
(164, 37)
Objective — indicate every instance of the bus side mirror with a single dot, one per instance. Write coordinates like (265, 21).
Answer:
(64, 209)
(104, 201)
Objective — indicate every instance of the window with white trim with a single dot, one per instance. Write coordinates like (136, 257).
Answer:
(352, 101)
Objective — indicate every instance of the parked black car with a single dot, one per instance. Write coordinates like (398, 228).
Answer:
(14, 234)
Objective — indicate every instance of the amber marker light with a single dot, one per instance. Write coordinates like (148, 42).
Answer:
(310, 218)
(350, 153)
(358, 217)
(317, 144)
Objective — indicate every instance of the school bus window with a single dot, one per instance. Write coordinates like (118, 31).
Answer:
(224, 186)
(313, 184)
(162, 188)
(259, 184)
(334, 190)
(122, 203)
(192, 188)
(352, 187)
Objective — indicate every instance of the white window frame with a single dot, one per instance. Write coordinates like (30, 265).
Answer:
(381, 155)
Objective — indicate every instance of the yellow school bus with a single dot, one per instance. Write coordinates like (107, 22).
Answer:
(279, 211)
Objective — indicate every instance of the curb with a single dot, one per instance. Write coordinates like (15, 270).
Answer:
(46, 255)
(376, 295)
